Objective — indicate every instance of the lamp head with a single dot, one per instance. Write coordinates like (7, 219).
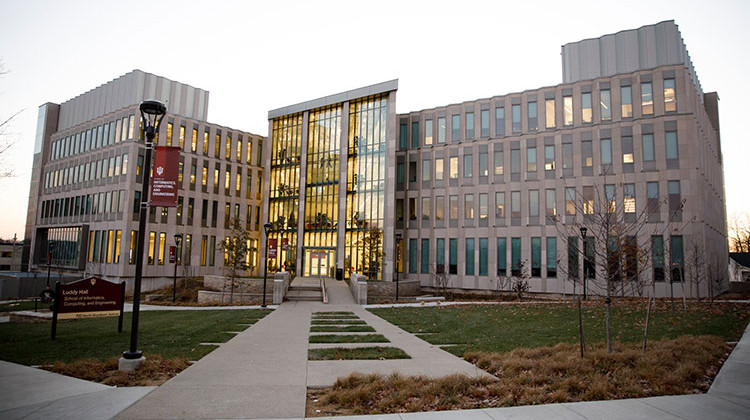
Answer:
(152, 107)
(584, 229)
(267, 227)
(152, 113)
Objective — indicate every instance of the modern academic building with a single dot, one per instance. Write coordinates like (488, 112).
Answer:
(474, 190)
(481, 188)
(87, 175)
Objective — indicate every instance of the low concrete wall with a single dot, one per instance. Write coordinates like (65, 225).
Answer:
(358, 287)
(739, 287)
(210, 297)
(280, 286)
(219, 288)
(385, 290)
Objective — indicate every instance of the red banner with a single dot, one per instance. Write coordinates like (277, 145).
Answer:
(172, 254)
(164, 181)
(285, 244)
(272, 248)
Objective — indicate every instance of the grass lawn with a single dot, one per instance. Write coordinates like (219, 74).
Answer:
(339, 338)
(346, 328)
(334, 313)
(363, 353)
(501, 328)
(337, 322)
(170, 334)
(22, 305)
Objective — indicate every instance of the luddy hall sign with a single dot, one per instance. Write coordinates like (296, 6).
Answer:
(88, 298)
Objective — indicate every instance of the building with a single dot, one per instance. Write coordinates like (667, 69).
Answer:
(739, 266)
(10, 255)
(481, 188)
(87, 175)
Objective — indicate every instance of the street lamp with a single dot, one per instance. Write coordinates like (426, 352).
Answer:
(584, 229)
(152, 112)
(266, 229)
(177, 240)
(50, 247)
(397, 258)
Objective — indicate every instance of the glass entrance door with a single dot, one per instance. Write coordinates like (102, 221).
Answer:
(318, 262)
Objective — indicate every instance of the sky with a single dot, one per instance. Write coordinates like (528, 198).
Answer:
(257, 56)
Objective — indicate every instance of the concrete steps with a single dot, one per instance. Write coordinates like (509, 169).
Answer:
(305, 289)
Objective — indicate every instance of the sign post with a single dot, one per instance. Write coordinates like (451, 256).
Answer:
(88, 298)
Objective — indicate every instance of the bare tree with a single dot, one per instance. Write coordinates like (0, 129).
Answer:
(6, 142)
(235, 247)
(440, 279)
(739, 232)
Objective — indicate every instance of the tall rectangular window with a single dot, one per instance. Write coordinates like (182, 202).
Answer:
(606, 151)
(551, 257)
(648, 147)
(499, 121)
(454, 167)
(483, 205)
(453, 207)
(671, 145)
(469, 125)
(647, 99)
(670, 101)
(627, 149)
(588, 200)
(652, 196)
(133, 245)
(609, 196)
(570, 201)
(439, 207)
(549, 202)
(485, 122)
(676, 259)
(483, 247)
(531, 159)
(675, 200)
(441, 130)
(455, 128)
(567, 155)
(587, 153)
(194, 141)
(428, 132)
(516, 118)
(469, 206)
(468, 165)
(586, 110)
(415, 134)
(515, 204)
(605, 104)
(412, 171)
(534, 203)
(515, 161)
(469, 259)
(657, 257)
(425, 260)
(440, 255)
(536, 256)
(532, 116)
(426, 208)
(453, 256)
(205, 146)
(549, 113)
(439, 169)
(567, 110)
(502, 256)
(628, 192)
(499, 205)
(204, 249)
(498, 162)
(182, 137)
(515, 256)
(426, 169)
(151, 247)
(626, 101)
(169, 133)
(483, 164)
(412, 256)
(549, 158)
(403, 136)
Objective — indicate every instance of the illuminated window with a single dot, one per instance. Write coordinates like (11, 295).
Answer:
(549, 158)
(169, 133)
(570, 201)
(587, 153)
(428, 132)
(549, 115)
(626, 99)
(588, 200)
(151, 247)
(162, 247)
(647, 99)
(550, 206)
(498, 162)
(604, 105)
(499, 205)
(483, 205)
(454, 167)
(425, 208)
(228, 154)
(586, 110)
(182, 137)
(439, 169)
(469, 206)
(670, 101)
(205, 143)
(628, 192)
(194, 141)
(567, 110)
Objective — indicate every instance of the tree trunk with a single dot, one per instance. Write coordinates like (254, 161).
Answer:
(580, 326)
(608, 301)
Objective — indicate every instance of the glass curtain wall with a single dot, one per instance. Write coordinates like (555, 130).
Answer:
(284, 191)
(321, 191)
(365, 186)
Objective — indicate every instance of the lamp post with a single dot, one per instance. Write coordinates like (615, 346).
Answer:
(177, 240)
(266, 229)
(152, 112)
(584, 229)
(397, 258)
(50, 247)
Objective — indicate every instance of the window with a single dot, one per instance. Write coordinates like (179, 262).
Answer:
(550, 206)
(483, 245)
(588, 200)
(485, 117)
(468, 165)
(604, 105)
(515, 161)
(412, 208)
(675, 200)
(648, 147)
(499, 205)
(570, 201)
(415, 134)
(670, 102)
(627, 149)
(217, 144)
(626, 99)
(589, 260)
(606, 151)
(531, 159)
(162, 246)
(671, 143)
(412, 256)
(536, 257)
(400, 172)
(453, 207)
(169, 133)
(403, 136)
(675, 259)
(609, 197)
(205, 146)
(657, 257)
(182, 137)
(652, 196)
(567, 154)
(628, 192)
(515, 256)
(425, 260)
(151, 247)
(439, 169)
(502, 256)
(586, 112)
(194, 141)
(549, 158)
(516, 118)
(483, 164)
(469, 125)
(573, 253)
(567, 110)
(534, 203)
(453, 256)
(551, 257)
(412, 171)
(469, 206)
(454, 167)
(428, 132)
(426, 169)
(400, 209)
(455, 128)
(440, 207)
(647, 99)
(515, 204)
(498, 162)
(440, 255)
(587, 153)
(441, 130)
(532, 116)
(549, 114)
(483, 205)
(133, 245)
(425, 208)
(469, 256)
(500, 121)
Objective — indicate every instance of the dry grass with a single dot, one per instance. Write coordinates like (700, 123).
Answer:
(685, 365)
(153, 372)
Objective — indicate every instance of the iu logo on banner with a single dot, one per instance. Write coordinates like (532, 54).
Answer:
(164, 181)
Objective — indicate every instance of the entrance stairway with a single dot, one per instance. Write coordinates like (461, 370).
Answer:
(306, 289)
